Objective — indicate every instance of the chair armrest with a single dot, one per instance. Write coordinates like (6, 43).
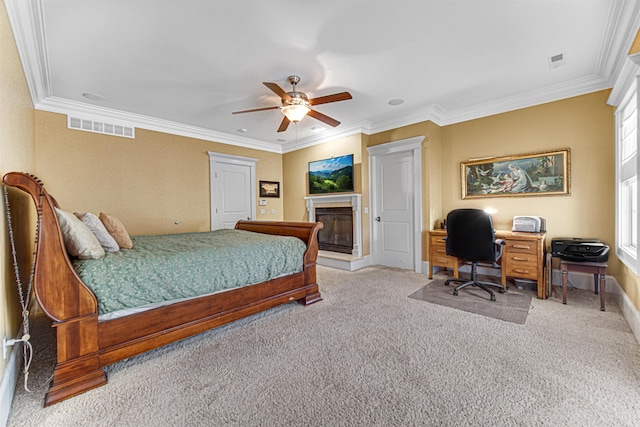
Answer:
(499, 244)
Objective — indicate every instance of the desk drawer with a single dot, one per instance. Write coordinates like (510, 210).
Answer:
(521, 258)
(438, 251)
(523, 270)
(522, 246)
(443, 261)
(438, 240)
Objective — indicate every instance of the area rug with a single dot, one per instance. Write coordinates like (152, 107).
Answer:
(512, 306)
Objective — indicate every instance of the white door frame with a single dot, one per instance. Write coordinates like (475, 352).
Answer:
(217, 158)
(415, 146)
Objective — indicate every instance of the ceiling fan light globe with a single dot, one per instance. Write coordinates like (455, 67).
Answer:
(295, 112)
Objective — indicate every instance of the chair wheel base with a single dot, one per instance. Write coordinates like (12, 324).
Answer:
(493, 297)
(455, 292)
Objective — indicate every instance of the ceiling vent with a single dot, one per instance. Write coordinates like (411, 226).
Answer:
(556, 61)
(97, 126)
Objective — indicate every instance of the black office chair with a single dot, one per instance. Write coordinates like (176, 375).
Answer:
(470, 236)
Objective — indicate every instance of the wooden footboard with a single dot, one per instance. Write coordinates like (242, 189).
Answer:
(85, 345)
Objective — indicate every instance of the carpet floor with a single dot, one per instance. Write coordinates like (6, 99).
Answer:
(368, 355)
(510, 306)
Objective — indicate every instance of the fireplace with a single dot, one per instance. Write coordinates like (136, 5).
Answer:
(337, 233)
(352, 203)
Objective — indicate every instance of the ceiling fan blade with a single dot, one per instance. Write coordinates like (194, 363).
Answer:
(284, 125)
(278, 90)
(255, 109)
(323, 118)
(342, 96)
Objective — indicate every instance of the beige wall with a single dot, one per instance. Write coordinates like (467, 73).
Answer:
(296, 184)
(16, 153)
(585, 125)
(149, 182)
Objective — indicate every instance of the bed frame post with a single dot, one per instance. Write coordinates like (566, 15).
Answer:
(64, 299)
(310, 259)
(75, 373)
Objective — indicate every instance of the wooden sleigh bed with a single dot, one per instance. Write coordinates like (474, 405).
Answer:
(86, 344)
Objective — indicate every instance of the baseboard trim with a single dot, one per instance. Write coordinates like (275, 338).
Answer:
(9, 381)
(629, 311)
(344, 264)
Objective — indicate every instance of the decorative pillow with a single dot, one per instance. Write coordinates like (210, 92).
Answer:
(78, 239)
(117, 230)
(96, 226)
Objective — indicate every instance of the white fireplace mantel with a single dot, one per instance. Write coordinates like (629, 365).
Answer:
(350, 199)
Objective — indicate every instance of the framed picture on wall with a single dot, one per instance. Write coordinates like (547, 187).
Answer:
(333, 175)
(535, 174)
(269, 189)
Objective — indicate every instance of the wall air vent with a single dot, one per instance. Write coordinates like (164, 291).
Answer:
(98, 126)
(557, 60)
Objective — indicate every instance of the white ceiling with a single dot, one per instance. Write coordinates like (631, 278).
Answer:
(184, 66)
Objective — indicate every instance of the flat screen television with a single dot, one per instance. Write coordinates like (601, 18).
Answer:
(334, 175)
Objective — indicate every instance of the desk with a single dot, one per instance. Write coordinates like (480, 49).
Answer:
(522, 256)
(598, 269)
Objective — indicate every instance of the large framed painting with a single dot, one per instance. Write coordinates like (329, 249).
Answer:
(535, 174)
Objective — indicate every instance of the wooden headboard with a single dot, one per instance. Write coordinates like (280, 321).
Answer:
(78, 300)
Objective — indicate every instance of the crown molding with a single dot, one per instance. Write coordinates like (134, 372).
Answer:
(441, 117)
(528, 99)
(628, 69)
(434, 113)
(343, 132)
(624, 18)
(65, 106)
(625, 78)
(27, 24)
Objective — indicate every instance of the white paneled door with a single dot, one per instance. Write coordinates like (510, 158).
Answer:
(233, 192)
(393, 224)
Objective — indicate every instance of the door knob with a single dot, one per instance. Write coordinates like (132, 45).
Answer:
(378, 218)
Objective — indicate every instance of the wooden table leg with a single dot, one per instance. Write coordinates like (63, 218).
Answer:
(599, 271)
(504, 276)
(603, 292)
(565, 273)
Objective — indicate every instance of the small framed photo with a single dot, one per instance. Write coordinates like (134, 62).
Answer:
(269, 189)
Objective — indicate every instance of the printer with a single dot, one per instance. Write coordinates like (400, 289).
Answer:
(529, 224)
(579, 249)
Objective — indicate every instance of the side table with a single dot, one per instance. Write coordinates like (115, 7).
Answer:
(598, 269)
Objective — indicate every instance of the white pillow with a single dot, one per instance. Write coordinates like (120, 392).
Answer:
(96, 226)
(78, 238)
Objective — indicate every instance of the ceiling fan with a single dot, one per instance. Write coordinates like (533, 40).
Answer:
(296, 105)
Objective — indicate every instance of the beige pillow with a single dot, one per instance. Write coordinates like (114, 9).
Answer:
(96, 226)
(117, 230)
(78, 238)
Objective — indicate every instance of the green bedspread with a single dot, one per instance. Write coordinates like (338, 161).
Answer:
(174, 266)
